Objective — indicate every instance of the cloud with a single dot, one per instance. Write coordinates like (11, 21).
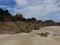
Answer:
(37, 8)
(12, 10)
(21, 2)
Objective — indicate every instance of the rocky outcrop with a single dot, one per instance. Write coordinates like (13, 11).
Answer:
(18, 24)
(17, 27)
(48, 23)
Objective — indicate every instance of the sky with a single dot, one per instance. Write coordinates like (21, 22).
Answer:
(40, 9)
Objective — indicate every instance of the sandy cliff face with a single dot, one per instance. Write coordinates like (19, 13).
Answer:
(17, 27)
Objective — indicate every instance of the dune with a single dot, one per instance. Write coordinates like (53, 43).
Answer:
(32, 38)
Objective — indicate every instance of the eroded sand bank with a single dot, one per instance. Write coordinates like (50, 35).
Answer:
(31, 38)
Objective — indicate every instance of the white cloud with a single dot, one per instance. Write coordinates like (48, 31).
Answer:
(37, 8)
(21, 2)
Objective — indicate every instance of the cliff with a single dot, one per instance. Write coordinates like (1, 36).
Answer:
(17, 24)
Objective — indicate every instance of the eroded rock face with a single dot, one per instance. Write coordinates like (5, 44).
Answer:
(17, 24)
(16, 27)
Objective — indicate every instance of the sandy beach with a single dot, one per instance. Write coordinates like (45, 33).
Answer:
(32, 38)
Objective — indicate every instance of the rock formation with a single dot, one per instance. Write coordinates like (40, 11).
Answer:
(18, 24)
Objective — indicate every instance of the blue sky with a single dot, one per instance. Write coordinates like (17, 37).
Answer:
(41, 9)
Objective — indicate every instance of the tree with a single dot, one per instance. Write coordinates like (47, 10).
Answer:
(1, 14)
(31, 19)
(49, 21)
(40, 21)
(7, 13)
